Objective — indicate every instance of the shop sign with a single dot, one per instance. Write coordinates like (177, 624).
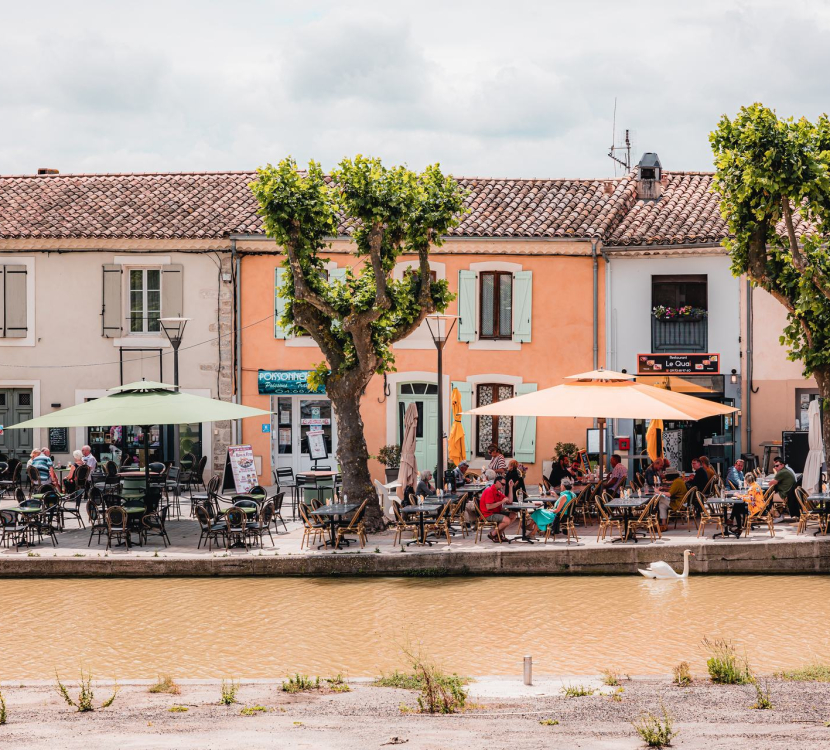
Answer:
(688, 364)
(285, 383)
(315, 422)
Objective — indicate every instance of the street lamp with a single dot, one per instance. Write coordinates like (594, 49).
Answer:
(174, 330)
(440, 327)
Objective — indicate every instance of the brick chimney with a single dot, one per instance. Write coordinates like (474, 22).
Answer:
(47, 170)
(649, 174)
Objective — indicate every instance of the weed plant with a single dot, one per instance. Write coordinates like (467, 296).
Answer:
(337, 684)
(441, 693)
(610, 678)
(300, 683)
(549, 722)
(654, 730)
(178, 709)
(617, 695)
(253, 710)
(577, 691)
(165, 684)
(762, 698)
(3, 716)
(229, 691)
(402, 680)
(815, 672)
(86, 696)
(682, 674)
(724, 665)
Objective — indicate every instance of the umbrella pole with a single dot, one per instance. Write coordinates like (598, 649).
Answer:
(146, 464)
(601, 425)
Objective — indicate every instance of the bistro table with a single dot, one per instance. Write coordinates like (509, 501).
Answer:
(522, 508)
(28, 515)
(627, 507)
(331, 513)
(421, 510)
(722, 505)
(822, 508)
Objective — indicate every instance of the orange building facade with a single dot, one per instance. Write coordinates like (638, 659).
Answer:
(526, 319)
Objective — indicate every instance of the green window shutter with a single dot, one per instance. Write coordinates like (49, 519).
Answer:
(524, 430)
(279, 303)
(337, 274)
(16, 323)
(466, 305)
(466, 391)
(172, 291)
(522, 305)
(112, 313)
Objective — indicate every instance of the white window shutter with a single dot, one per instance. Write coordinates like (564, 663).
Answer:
(172, 291)
(337, 274)
(524, 430)
(522, 305)
(279, 303)
(466, 305)
(112, 313)
(466, 392)
(15, 302)
(2, 302)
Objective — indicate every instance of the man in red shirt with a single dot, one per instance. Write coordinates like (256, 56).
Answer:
(492, 504)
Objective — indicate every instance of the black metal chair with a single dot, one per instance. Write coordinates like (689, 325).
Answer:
(262, 525)
(153, 524)
(284, 479)
(210, 530)
(13, 528)
(117, 526)
(11, 479)
(97, 521)
(278, 500)
(237, 527)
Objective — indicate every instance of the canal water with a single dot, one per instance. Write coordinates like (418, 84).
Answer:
(269, 627)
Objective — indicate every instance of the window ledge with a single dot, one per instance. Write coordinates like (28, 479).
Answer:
(406, 344)
(302, 341)
(138, 341)
(486, 345)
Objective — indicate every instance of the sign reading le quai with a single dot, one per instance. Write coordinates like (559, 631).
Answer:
(693, 364)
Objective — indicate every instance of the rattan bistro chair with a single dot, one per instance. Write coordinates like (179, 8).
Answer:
(117, 526)
(154, 524)
(439, 524)
(355, 526)
(808, 513)
(262, 525)
(209, 530)
(686, 511)
(484, 522)
(401, 525)
(606, 522)
(313, 531)
(237, 522)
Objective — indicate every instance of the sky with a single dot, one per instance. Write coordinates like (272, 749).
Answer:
(495, 89)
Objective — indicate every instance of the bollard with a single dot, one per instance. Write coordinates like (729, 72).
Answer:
(528, 670)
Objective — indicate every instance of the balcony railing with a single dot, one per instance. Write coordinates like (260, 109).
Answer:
(680, 335)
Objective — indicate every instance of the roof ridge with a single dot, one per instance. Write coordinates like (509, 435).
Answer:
(123, 174)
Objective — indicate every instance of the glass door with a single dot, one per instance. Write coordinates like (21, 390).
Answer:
(314, 414)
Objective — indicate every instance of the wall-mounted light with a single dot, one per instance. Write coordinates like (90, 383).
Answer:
(733, 378)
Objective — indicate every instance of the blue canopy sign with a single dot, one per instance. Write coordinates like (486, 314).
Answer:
(285, 383)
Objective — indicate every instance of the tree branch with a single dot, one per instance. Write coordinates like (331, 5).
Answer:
(800, 261)
(301, 289)
(382, 300)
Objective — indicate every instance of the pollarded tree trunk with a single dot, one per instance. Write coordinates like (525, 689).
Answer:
(352, 453)
(822, 376)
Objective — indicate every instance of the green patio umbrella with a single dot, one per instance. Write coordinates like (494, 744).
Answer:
(143, 403)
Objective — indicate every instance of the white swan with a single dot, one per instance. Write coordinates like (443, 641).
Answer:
(664, 570)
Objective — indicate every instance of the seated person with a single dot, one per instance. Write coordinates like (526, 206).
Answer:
(617, 476)
(735, 476)
(700, 478)
(704, 462)
(544, 517)
(784, 483)
(559, 471)
(425, 484)
(515, 476)
(489, 476)
(677, 491)
(69, 484)
(43, 464)
(460, 473)
(497, 462)
(491, 505)
(654, 474)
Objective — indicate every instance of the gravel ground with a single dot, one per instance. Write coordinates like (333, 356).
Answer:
(503, 715)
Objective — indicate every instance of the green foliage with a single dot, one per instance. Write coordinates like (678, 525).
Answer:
(3, 716)
(682, 674)
(165, 684)
(769, 168)
(337, 684)
(610, 677)
(577, 691)
(176, 709)
(724, 665)
(390, 455)
(389, 211)
(86, 695)
(300, 683)
(762, 698)
(549, 722)
(253, 710)
(565, 449)
(816, 672)
(402, 680)
(229, 691)
(654, 730)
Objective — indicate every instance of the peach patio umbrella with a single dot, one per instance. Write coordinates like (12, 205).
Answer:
(408, 471)
(604, 394)
(457, 448)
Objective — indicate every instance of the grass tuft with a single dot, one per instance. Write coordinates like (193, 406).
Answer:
(165, 684)
(229, 691)
(337, 684)
(441, 693)
(654, 730)
(549, 722)
(724, 665)
(3, 716)
(300, 683)
(253, 710)
(178, 709)
(815, 672)
(617, 695)
(86, 696)
(682, 674)
(763, 701)
(610, 677)
(402, 680)
(577, 691)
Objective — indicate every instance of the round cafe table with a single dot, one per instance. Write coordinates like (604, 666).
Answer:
(627, 507)
(421, 510)
(523, 509)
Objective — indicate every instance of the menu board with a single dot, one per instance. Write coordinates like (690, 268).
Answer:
(317, 445)
(59, 439)
(240, 469)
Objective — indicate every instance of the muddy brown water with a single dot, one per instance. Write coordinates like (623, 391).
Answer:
(269, 627)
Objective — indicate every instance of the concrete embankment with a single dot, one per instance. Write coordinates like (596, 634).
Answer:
(755, 556)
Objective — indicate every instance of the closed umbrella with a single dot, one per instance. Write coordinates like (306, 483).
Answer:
(457, 448)
(811, 481)
(654, 439)
(408, 472)
(143, 403)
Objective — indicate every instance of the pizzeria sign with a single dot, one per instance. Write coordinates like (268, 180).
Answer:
(682, 364)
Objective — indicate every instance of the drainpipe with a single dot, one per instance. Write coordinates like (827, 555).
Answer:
(749, 344)
(594, 241)
(237, 317)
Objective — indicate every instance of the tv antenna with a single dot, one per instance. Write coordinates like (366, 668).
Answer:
(619, 154)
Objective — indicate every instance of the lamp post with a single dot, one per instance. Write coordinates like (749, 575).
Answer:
(440, 327)
(174, 330)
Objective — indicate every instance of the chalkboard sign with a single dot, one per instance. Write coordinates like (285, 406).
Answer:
(59, 439)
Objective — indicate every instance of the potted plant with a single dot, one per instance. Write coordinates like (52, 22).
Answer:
(685, 313)
(390, 457)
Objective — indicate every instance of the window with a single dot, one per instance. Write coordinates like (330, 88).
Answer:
(496, 309)
(679, 291)
(13, 294)
(145, 300)
(498, 430)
